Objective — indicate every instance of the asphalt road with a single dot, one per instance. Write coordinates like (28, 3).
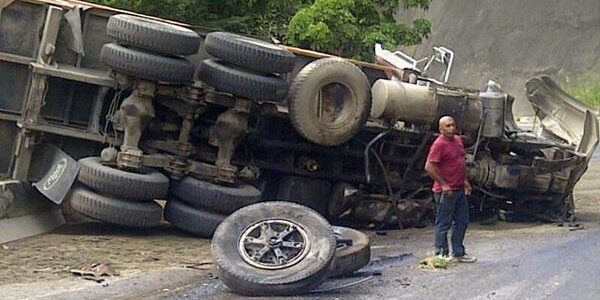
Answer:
(516, 261)
(561, 265)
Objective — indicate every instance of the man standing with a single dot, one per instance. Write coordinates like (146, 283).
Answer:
(446, 165)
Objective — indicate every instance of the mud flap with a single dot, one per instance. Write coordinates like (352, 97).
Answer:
(24, 212)
(59, 177)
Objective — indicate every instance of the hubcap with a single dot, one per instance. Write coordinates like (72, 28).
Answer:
(273, 244)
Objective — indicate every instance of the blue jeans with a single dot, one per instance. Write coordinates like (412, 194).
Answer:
(451, 211)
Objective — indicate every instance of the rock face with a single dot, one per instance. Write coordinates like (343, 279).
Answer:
(511, 41)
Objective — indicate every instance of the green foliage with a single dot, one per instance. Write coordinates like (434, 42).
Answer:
(350, 28)
(584, 87)
(257, 17)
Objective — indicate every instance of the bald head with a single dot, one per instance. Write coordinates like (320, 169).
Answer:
(447, 126)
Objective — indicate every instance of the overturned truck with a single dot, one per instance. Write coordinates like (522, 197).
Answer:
(106, 111)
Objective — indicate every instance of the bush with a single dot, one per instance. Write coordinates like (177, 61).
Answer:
(584, 87)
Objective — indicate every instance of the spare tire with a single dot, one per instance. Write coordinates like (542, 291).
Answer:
(250, 53)
(145, 186)
(330, 101)
(197, 221)
(218, 198)
(153, 35)
(244, 83)
(114, 210)
(147, 65)
(273, 248)
(353, 256)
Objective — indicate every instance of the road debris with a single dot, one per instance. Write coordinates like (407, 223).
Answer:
(436, 262)
(202, 265)
(95, 272)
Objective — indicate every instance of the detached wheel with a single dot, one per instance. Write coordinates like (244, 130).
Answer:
(349, 257)
(153, 35)
(120, 183)
(218, 198)
(330, 101)
(240, 82)
(147, 65)
(197, 221)
(114, 210)
(273, 248)
(249, 53)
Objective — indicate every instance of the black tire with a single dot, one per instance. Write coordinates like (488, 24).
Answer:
(123, 184)
(338, 76)
(199, 222)
(153, 35)
(114, 210)
(147, 65)
(247, 84)
(249, 53)
(306, 274)
(350, 258)
(339, 203)
(222, 199)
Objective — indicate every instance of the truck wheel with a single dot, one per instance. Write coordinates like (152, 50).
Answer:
(330, 101)
(144, 186)
(114, 210)
(249, 53)
(217, 198)
(244, 83)
(339, 201)
(196, 221)
(146, 65)
(153, 35)
(273, 248)
(349, 258)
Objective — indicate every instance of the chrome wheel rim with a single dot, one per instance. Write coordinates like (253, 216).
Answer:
(273, 244)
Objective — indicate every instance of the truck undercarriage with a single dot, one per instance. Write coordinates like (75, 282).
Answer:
(159, 119)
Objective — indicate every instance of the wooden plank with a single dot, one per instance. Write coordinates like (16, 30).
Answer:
(315, 54)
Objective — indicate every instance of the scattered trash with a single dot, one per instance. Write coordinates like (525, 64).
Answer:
(95, 271)
(436, 262)
(203, 265)
(4, 247)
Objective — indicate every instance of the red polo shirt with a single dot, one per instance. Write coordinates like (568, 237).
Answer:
(449, 156)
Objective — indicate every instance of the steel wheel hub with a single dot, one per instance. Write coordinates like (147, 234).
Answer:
(273, 244)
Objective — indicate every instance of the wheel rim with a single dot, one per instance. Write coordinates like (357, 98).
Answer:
(336, 105)
(273, 244)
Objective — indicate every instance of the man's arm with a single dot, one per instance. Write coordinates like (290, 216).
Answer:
(432, 171)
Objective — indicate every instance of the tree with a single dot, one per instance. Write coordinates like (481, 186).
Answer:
(350, 28)
(268, 18)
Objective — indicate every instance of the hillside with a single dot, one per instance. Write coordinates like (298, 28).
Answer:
(511, 41)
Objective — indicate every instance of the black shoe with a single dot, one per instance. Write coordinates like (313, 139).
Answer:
(465, 258)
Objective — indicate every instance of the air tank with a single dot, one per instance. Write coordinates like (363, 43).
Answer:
(493, 106)
(401, 101)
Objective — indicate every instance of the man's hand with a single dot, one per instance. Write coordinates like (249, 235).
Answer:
(468, 188)
(446, 190)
